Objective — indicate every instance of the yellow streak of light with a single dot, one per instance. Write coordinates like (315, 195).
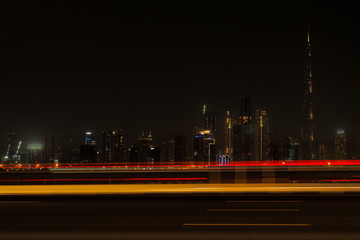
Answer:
(179, 188)
(253, 210)
(249, 224)
(266, 201)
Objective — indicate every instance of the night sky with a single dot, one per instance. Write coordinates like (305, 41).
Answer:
(71, 67)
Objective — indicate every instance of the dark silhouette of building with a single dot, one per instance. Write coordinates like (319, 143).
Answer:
(171, 150)
(211, 123)
(237, 141)
(89, 139)
(228, 148)
(262, 135)
(88, 151)
(203, 146)
(145, 149)
(180, 149)
(118, 148)
(292, 148)
(243, 132)
(35, 153)
(155, 154)
(340, 145)
(323, 152)
(307, 128)
(133, 154)
(106, 154)
(275, 148)
(113, 146)
(164, 151)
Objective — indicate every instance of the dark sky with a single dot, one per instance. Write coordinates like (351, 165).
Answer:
(71, 67)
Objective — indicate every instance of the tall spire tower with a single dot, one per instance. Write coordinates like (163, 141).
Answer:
(307, 128)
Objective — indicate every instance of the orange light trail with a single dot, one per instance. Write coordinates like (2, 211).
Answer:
(124, 166)
(102, 179)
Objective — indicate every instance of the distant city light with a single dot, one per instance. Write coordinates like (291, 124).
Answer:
(340, 131)
(35, 146)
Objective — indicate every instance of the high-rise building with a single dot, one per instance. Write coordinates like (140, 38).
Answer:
(88, 151)
(211, 123)
(262, 135)
(145, 146)
(113, 146)
(236, 141)
(292, 148)
(133, 154)
(164, 151)
(246, 134)
(275, 153)
(203, 146)
(323, 152)
(35, 153)
(307, 128)
(106, 146)
(118, 148)
(89, 139)
(171, 149)
(228, 149)
(155, 154)
(340, 145)
(180, 149)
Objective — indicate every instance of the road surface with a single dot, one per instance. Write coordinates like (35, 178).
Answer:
(181, 217)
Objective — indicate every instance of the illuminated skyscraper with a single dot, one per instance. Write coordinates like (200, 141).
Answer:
(307, 128)
(340, 145)
(323, 152)
(106, 146)
(229, 136)
(88, 152)
(118, 149)
(245, 147)
(211, 123)
(171, 149)
(262, 135)
(89, 139)
(203, 146)
(146, 149)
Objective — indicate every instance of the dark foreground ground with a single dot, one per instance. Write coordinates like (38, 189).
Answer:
(181, 217)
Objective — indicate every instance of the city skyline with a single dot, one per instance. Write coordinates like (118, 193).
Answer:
(67, 98)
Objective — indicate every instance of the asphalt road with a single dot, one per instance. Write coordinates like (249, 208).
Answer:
(180, 217)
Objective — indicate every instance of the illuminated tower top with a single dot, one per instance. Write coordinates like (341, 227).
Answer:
(307, 129)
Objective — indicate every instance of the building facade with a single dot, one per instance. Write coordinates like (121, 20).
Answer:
(323, 152)
(340, 145)
(292, 148)
(203, 146)
(246, 146)
(307, 128)
(228, 148)
(88, 151)
(262, 135)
